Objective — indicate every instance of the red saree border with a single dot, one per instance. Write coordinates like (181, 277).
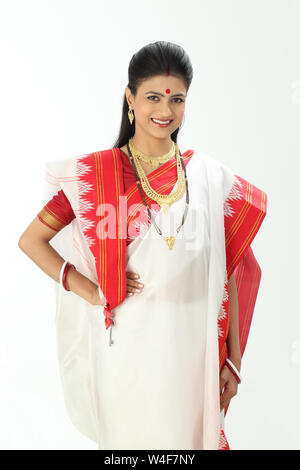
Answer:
(100, 181)
(244, 211)
(249, 213)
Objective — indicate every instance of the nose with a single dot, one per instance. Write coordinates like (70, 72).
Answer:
(165, 111)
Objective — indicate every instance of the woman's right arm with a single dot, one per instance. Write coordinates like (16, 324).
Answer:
(34, 242)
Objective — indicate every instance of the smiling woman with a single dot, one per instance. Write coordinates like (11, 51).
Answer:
(161, 380)
(164, 110)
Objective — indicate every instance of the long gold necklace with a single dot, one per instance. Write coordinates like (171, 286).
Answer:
(164, 200)
(153, 161)
(169, 240)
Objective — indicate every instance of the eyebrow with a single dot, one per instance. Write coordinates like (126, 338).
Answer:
(157, 93)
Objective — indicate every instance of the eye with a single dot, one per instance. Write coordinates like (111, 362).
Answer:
(154, 96)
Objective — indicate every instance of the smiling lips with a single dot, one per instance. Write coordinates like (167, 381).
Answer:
(158, 122)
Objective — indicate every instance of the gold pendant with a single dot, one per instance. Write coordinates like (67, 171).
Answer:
(165, 208)
(154, 164)
(169, 241)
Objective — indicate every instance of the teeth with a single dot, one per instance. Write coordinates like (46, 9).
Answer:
(161, 122)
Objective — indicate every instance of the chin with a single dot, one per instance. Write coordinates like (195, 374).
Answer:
(162, 130)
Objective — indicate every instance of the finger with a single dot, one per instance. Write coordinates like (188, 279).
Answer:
(222, 383)
(224, 403)
(131, 275)
(134, 289)
(224, 377)
(136, 284)
(224, 399)
(229, 392)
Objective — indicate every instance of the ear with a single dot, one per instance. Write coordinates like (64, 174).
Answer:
(128, 95)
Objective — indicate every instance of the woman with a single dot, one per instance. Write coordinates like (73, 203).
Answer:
(148, 357)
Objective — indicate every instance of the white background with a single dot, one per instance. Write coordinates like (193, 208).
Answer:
(63, 75)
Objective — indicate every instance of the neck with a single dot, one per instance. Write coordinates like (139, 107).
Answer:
(150, 145)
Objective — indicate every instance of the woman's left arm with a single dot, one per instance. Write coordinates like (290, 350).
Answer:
(233, 341)
(227, 379)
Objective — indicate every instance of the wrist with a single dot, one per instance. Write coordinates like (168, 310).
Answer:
(82, 286)
(95, 298)
(236, 360)
(234, 370)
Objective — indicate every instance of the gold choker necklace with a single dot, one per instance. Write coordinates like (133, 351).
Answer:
(164, 200)
(153, 161)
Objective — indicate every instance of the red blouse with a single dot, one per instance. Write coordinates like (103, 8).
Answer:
(58, 212)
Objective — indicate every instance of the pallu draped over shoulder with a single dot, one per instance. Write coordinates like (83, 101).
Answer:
(157, 386)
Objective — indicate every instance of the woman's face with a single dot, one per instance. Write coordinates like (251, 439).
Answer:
(155, 99)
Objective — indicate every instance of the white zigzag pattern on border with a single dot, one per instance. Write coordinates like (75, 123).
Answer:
(220, 331)
(225, 291)
(84, 187)
(83, 168)
(84, 206)
(222, 312)
(222, 441)
(233, 195)
(86, 224)
(142, 227)
(90, 241)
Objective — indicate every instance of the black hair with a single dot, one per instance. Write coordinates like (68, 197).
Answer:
(158, 58)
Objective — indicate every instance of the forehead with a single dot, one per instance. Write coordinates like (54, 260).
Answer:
(162, 82)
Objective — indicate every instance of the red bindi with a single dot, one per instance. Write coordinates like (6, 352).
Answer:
(168, 90)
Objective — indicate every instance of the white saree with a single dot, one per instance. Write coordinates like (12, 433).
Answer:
(157, 386)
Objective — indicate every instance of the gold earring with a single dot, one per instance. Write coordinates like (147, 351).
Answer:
(130, 114)
(182, 122)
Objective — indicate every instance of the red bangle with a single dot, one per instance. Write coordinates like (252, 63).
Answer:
(233, 371)
(68, 265)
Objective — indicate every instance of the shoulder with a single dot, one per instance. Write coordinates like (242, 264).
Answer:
(220, 177)
(97, 154)
(235, 185)
(79, 163)
(58, 167)
(244, 198)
